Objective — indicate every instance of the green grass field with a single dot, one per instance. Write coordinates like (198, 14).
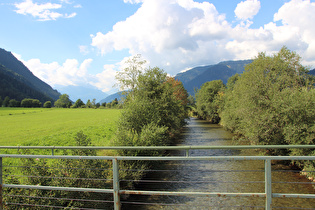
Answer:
(56, 127)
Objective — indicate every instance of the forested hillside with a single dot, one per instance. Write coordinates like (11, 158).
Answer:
(17, 87)
(27, 83)
(195, 77)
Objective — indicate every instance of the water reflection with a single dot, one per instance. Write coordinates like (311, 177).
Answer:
(219, 176)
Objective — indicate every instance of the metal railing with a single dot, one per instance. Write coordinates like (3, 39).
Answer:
(116, 191)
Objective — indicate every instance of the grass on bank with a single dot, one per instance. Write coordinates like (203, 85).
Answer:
(56, 127)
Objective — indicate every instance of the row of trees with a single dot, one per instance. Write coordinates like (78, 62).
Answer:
(65, 102)
(27, 102)
(272, 102)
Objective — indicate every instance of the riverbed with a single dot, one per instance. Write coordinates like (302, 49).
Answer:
(218, 176)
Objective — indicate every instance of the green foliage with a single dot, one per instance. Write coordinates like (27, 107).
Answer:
(78, 104)
(154, 112)
(28, 102)
(47, 104)
(14, 103)
(208, 100)
(63, 102)
(64, 173)
(128, 78)
(6, 101)
(273, 102)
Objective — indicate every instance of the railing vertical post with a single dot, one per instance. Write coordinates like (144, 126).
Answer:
(187, 152)
(1, 199)
(117, 204)
(268, 189)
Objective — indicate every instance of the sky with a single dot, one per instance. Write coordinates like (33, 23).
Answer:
(86, 42)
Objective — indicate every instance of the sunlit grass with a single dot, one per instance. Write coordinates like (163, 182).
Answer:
(39, 126)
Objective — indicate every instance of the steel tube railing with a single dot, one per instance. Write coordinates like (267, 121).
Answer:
(116, 191)
(185, 148)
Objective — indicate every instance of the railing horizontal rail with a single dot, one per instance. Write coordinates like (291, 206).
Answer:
(237, 147)
(59, 188)
(157, 158)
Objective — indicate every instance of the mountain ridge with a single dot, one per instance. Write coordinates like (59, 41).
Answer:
(10, 62)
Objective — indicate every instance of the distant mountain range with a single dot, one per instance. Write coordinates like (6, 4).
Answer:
(85, 92)
(195, 77)
(18, 82)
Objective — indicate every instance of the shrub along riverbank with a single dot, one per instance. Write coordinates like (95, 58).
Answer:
(272, 102)
(154, 112)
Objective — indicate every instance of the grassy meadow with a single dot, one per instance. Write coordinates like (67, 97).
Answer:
(56, 127)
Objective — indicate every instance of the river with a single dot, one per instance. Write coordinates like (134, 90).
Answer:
(219, 176)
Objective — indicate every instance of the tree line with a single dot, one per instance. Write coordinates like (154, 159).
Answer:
(62, 102)
(26, 102)
(65, 102)
(271, 103)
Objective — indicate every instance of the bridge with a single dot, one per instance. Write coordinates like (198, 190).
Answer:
(116, 191)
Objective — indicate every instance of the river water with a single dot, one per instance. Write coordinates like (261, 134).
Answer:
(219, 176)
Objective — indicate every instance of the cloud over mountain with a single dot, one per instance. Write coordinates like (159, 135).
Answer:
(174, 34)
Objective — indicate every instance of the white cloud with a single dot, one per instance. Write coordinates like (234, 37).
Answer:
(106, 79)
(41, 11)
(181, 33)
(133, 1)
(84, 49)
(247, 9)
(188, 33)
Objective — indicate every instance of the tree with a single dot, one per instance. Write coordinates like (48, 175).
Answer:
(36, 103)
(128, 78)
(14, 103)
(207, 100)
(28, 102)
(78, 104)
(63, 101)
(155, 101)
(6, 101)
(1, 101)
(89, 104)
(255, 103)
(47, 104)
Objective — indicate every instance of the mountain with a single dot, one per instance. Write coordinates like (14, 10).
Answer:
(112, 97)
(85, 93)
(312, 72)
(16, 71)
(17, 87)
(195, 77)
(216, 72)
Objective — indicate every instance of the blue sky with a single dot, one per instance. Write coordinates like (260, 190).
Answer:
(80, 42)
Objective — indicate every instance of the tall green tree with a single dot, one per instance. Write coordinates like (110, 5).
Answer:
(254, 105)
(6, 101)
(47, 104)
(208, 100)
(78, 104)
(63, 101)
(154, 102)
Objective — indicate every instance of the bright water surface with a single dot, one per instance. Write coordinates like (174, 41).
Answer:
(219, 176)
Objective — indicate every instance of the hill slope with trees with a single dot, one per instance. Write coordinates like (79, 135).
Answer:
(19, 81)
(195, 77)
